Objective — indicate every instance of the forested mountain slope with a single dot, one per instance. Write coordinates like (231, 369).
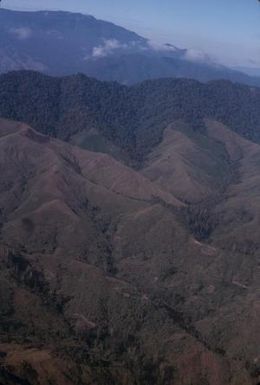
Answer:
(131, 118)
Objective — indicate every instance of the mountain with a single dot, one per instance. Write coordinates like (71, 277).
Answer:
(129, 232)
(44, 40)
(251, 71)
(127, 121)
(63, 43)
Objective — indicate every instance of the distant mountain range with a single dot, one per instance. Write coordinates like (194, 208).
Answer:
(63, 43)
(251, 71)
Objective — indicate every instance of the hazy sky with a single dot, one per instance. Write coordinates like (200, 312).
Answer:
(228, 30)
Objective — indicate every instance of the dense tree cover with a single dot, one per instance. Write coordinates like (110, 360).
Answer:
(132, 117)
(200, 220)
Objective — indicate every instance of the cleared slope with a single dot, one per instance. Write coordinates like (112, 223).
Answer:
(217, 174)
(190, 165)
(99, 268)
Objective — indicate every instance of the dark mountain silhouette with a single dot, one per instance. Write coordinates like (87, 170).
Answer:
(130, 119)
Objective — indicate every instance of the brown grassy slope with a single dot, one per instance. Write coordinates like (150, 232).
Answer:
(190, 165)
(222, 180)
(52, 193)
(241, 202)
(237, 232)
(106, 265)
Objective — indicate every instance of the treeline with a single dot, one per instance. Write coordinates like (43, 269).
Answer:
(131, 117)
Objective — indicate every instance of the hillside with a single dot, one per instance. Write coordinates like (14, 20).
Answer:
(126, 121)
(136, 276)
(63, 43)
(129, 196)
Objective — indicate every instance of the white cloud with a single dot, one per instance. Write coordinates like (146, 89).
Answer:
(161, 47)
(197, 56)
(107, 48)
(21, 33)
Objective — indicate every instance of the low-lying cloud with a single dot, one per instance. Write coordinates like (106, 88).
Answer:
(161, 47)
(197, 56)
(108, 48)
(21, 33)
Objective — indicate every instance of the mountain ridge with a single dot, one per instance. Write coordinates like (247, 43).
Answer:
(87, 258)
(81, 109)
(129, 242)
(63, 43)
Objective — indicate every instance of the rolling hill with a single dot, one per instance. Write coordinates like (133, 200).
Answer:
(129, 222)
